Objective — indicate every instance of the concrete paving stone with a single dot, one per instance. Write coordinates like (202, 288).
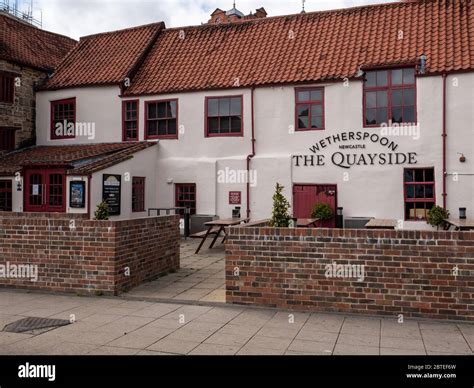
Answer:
(401, 352)
(253, 318)
(125, 324)
(232, 328)
(136, 341)
(234, 339)
(203, 326)
(171, 345)
(448, 336)
(320, 348)
(219, 315)
(349, 350)
(447, 346)
(256, 351)
(364, 340)
(156, 310)
(215, 349)
(153, 353)
(112, 351)
(194, 294)
(70, 349)
(9, 338)
(186, 334)
(466, 329)
(188, 313)
(438, 327)
(101, 318)
(325, 323)
(402, 343)
(167, 323)
(279, 331)
(89, 337)
(406, 329)
(310, 334)
(356, 325)
(269, 342)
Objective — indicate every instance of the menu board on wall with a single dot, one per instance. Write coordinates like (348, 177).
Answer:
(111, 193)
(77, 196)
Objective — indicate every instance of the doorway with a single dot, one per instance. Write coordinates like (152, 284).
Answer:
(306, 196)
(45, 191)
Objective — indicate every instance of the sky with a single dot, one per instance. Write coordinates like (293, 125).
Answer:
(76, 18)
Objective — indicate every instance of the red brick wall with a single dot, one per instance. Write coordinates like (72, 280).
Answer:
(91, 256)
(406, 272)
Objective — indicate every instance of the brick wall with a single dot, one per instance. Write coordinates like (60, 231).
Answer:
(74, 254)
(406, 272)
(21, 115)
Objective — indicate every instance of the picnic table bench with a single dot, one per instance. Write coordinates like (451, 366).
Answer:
(215, 228)
(306, 222)
(461, 224)
(375, 223)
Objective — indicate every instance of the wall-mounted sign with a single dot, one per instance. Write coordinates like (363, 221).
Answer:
(235, 197)
(354, 141)
(77, 194)
(111, 192)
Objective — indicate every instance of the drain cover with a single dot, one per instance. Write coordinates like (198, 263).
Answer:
(35, 325)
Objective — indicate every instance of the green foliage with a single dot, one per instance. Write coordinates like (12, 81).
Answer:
(102, 212)
(322, 211)
(280, 216)
(436, 216)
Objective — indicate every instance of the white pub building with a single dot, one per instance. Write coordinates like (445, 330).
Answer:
(369, 109)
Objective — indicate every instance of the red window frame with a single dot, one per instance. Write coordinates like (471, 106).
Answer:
(183, 189)
(138, 194)
(219, 117)
(126, 132)
(310, 103)
(7, 139)
(389, 88)
(158, 119)
(7, 88)
(70, 117)
(422, 201)
(6, 195)
(51, 195)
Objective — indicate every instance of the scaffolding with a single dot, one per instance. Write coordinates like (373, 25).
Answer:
(11, 7)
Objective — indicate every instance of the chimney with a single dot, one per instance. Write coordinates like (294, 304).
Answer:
(234, 16)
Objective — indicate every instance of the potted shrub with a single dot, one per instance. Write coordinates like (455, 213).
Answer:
(280, 216)
(102, 212)
(323, 212)
(436, 216)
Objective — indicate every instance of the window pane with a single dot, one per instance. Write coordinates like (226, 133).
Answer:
(397, 77)
(419, 177)
(397, 97)
(172, 127)
(213, 107)
(316, 110)
(410, 191)
(303, 113)
(236, 123)
(370, 116)
(381, 115)
(162, 127)
(224, 125)
(303, 96)
(316, 122)
(171, 109)
(370, 78)
(213, 125)
(152, 111)
(409, 175)
(408, 114)
(382, 78)
(429, 175)
(235, 106)
(371, 99)
(397, 115)
(152, 128)
(428, 191)
(420, 191)
(409, 97)
(410, 210)
(162, 110)
(316, 95)
(382, 99)
(408, 76)
(224, 107)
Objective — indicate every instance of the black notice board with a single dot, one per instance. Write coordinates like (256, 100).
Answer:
(112, 192)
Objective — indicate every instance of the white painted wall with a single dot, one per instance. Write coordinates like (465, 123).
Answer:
(375, 191)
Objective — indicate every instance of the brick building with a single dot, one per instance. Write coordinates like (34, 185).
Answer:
(27, 56)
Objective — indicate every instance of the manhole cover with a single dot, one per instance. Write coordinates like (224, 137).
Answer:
(35, 325)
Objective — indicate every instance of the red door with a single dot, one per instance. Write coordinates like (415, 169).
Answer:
(45, 191)
(306, 196)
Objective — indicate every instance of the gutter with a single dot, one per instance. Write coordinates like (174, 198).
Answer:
(444, 135)
(251, 156)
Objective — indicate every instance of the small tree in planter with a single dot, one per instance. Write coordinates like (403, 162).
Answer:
(280, 216)
(436, 216)
(102, 212)
(323, 212)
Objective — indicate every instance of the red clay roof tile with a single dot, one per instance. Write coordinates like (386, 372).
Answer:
(27, 45)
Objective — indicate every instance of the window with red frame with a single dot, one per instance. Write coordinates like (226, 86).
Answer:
(224, 116)
(161, 119)
(186, 197)
(7, 89)
(7, 139)
(6, 195)
(309, 109)
(63, 113)
(389, 95)
(419, 192)
(130, 120)
(138, 194)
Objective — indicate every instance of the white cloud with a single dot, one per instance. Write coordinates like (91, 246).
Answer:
(77, 18)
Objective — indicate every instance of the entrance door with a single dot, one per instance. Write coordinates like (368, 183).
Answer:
(306, 196)
(45, 191)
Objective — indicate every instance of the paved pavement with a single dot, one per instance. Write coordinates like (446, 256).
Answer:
(117, 326)
(200, 278)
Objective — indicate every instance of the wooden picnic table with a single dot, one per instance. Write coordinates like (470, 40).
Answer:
(376, 223)
(218, 226)
(466, 224)
(306, 222)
